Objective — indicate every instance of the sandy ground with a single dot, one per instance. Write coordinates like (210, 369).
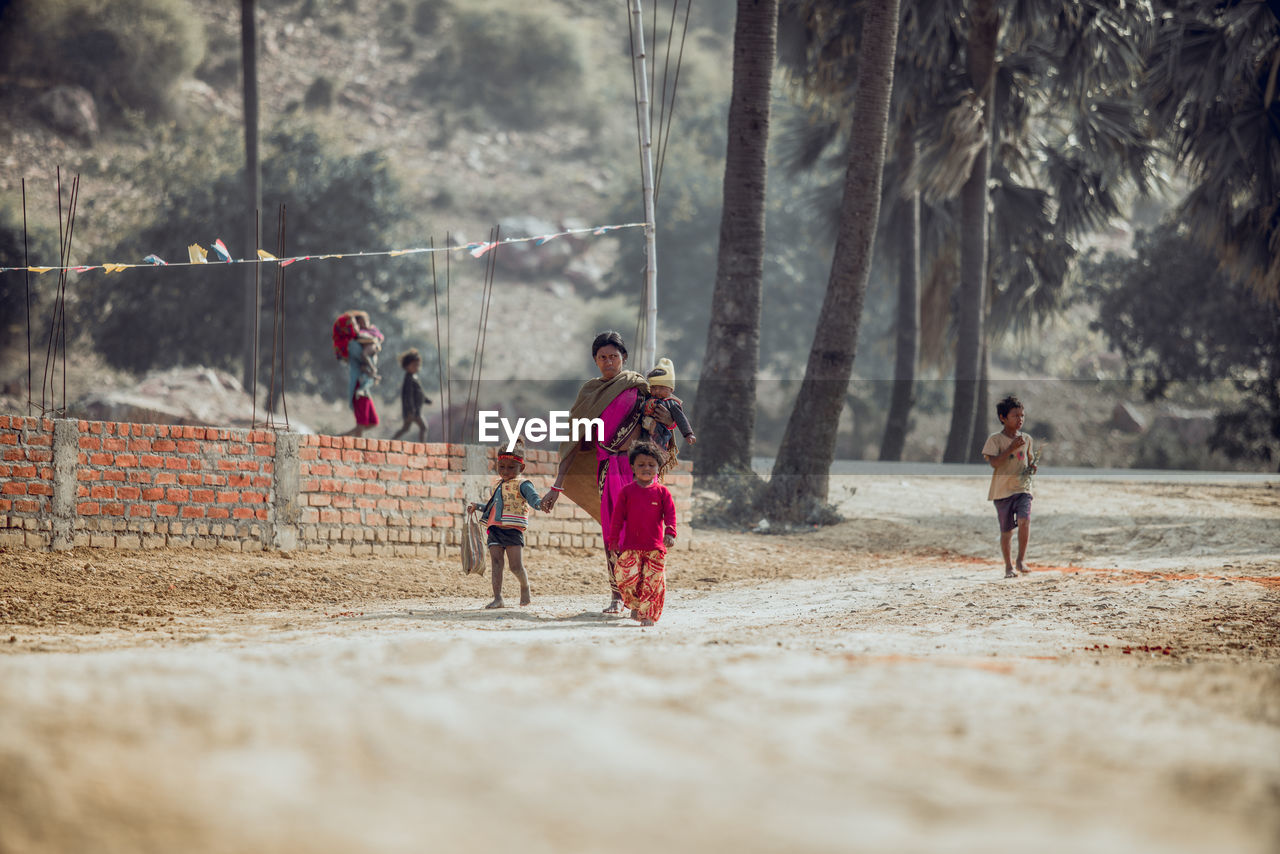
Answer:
(875, 686)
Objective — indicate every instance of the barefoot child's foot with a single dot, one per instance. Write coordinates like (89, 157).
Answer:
(646, 622)
(1022, 568)
(1009, 573)
(496, 603)
(615, 607)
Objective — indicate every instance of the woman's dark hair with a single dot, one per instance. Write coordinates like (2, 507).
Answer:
(608, 338)
(1010, 403)
(644, 449)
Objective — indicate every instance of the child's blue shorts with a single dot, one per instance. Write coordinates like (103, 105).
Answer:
(1013, 509)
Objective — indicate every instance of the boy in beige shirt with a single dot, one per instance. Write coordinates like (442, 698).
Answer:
(1009, 452)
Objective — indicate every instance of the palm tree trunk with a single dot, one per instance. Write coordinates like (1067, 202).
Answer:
(908, 337)
(727, 386)
(982, 406)
(984, 29)
(801, 471)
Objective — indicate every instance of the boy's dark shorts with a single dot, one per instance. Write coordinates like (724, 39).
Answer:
(505, 537)
(1010, 510)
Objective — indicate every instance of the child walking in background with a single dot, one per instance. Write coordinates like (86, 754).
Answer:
(412, 395)
(1009, 452)
(644, 527)
(507, 515)
(662, 411)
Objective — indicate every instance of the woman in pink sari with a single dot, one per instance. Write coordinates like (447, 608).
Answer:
(593, 473)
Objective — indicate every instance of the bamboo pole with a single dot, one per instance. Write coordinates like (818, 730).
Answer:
(649, 349)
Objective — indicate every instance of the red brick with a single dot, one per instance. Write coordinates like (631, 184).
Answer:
(113, 474)
(136, 510)
(351, 517)
(226, 465)
(218, 513)
(166, 478)
(376, 458)
(204, 496)
(5, 504)
(195, 465)
(15, 454)
(113, 509)
(330, 516)
(13, 488)
(442, 521)
(365, 503)
(88, 508)
(166, 510)
(374, 488)
(24, 471)
(95, 427)
(261, 482)
(178, 495)
(228, 497)
(115, 444)
(190, 512)
(126, 460)
(260, 513)
(4, 422)
(264, 450)
(237, 449)
(39, 489)
(139, 446)
(320, 500)
(25, 506)
(175, 463)
(89, 443)
(164, 445)
(153, 494)
(39, 455)
(128, 493)
(254, 498)
(189, 479)
(242, 512)
(150, 461)
(139, 477)
(102, 491)
(185, 447)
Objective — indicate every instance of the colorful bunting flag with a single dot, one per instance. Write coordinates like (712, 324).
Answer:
(221, 249)
(156, 260)
(197, 253)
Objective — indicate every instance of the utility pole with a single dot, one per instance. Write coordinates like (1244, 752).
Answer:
(253, 188)
(649, 349)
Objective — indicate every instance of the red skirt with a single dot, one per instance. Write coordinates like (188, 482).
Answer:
(366, 415)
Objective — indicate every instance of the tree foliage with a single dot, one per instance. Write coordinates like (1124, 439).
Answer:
(128, 53)
(41, 249)
(1177, 318)
(334, 203)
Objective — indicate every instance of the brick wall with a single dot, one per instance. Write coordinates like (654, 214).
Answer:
(111, 485)
(26, 480)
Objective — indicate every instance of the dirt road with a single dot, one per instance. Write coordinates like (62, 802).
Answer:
(875, 686)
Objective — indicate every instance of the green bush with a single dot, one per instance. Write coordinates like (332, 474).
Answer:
(41, 248)
(128, 53)
(336, 203)
(524, 69)
(319, 94)
(427, 15)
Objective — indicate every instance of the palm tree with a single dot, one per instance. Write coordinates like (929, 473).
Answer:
(1214, 89)
(984, 28)
(801, 471)
(727, 386)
